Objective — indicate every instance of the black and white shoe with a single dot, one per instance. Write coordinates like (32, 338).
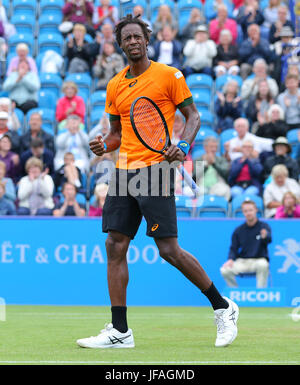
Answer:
(108, 338)
(226, 321)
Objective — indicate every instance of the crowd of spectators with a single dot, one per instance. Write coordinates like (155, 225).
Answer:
(44, 173)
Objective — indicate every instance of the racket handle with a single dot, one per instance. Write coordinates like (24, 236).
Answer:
(189, 180)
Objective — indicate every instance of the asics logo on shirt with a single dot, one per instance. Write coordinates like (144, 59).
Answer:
(132, 83)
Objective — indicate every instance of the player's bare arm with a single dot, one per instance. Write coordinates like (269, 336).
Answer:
(112, 140)
(191, 128)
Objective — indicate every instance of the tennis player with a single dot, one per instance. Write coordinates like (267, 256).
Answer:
(122, 213)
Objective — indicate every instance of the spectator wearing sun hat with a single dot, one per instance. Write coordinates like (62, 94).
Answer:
(282, 149)
(199, 53)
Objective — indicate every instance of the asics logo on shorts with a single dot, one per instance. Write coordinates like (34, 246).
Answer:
(155, 227)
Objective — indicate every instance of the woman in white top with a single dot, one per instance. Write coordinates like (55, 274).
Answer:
(35, 190)
(276, 189)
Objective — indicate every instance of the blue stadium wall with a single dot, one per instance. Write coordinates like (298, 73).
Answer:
(63, 262)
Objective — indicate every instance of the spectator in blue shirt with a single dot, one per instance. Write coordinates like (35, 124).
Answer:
(6, 206)
(249, 249)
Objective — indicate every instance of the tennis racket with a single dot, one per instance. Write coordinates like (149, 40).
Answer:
(151, 129)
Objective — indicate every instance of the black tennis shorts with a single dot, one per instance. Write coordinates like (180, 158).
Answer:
(146, 192)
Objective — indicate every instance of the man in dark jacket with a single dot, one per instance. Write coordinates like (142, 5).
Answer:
(35, 131)
(38, 150)
(282, 148)
(249, 249)
(253, 48)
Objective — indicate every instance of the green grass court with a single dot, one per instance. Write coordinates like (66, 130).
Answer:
(163, 335)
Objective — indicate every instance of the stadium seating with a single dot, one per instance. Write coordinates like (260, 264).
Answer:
(211, 206)
(46, 99)
(184, 206)
(292, 137)
(200, 82)
(24, 7)
(51, 7)
(98, 98)
(207, 120)
(236, 205)
(24, 24)
(49, 23)
(27, 38)
(50, 41)
(52, 82)
(126, 7)
(225, 136)
(202, 99)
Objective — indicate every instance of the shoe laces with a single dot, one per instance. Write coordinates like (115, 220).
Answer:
(219, 319)
(107, 327)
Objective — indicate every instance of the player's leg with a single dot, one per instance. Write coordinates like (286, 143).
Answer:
(117, 277)
(121, 220)
(185, 262)
(226, 311)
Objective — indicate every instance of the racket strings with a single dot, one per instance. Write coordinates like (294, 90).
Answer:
(149, 125)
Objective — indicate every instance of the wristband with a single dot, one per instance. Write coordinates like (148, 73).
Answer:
(184, 146)
(105, 146)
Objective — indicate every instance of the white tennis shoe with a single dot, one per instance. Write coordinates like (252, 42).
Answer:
(108, 338)
(226, 321)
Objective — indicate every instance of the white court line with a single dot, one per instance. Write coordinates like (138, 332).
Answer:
(151, 362)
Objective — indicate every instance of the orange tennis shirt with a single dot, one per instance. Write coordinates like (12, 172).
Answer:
(166, 86)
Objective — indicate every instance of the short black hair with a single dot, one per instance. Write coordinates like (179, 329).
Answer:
(129, 19)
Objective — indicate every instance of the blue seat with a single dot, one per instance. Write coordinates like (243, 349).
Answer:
(200, 82)
(207, 119)
(24, 24)
(292, 137)
(225, 136)
(48, 118)
(184, 206)
(98, 98)
(202, 134)
(222, 80)
(155, 4)
(52, 82)
(51, 7)
(185, 6)
(46, 98)
(96, 114)
(24, 7)
(183, 20)
(201, 99)
(20, 116)
(197, 152)
(50, 41)
(236, 205)
(212, 206)
(26, 38)
(49, 23)
(127, 6)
